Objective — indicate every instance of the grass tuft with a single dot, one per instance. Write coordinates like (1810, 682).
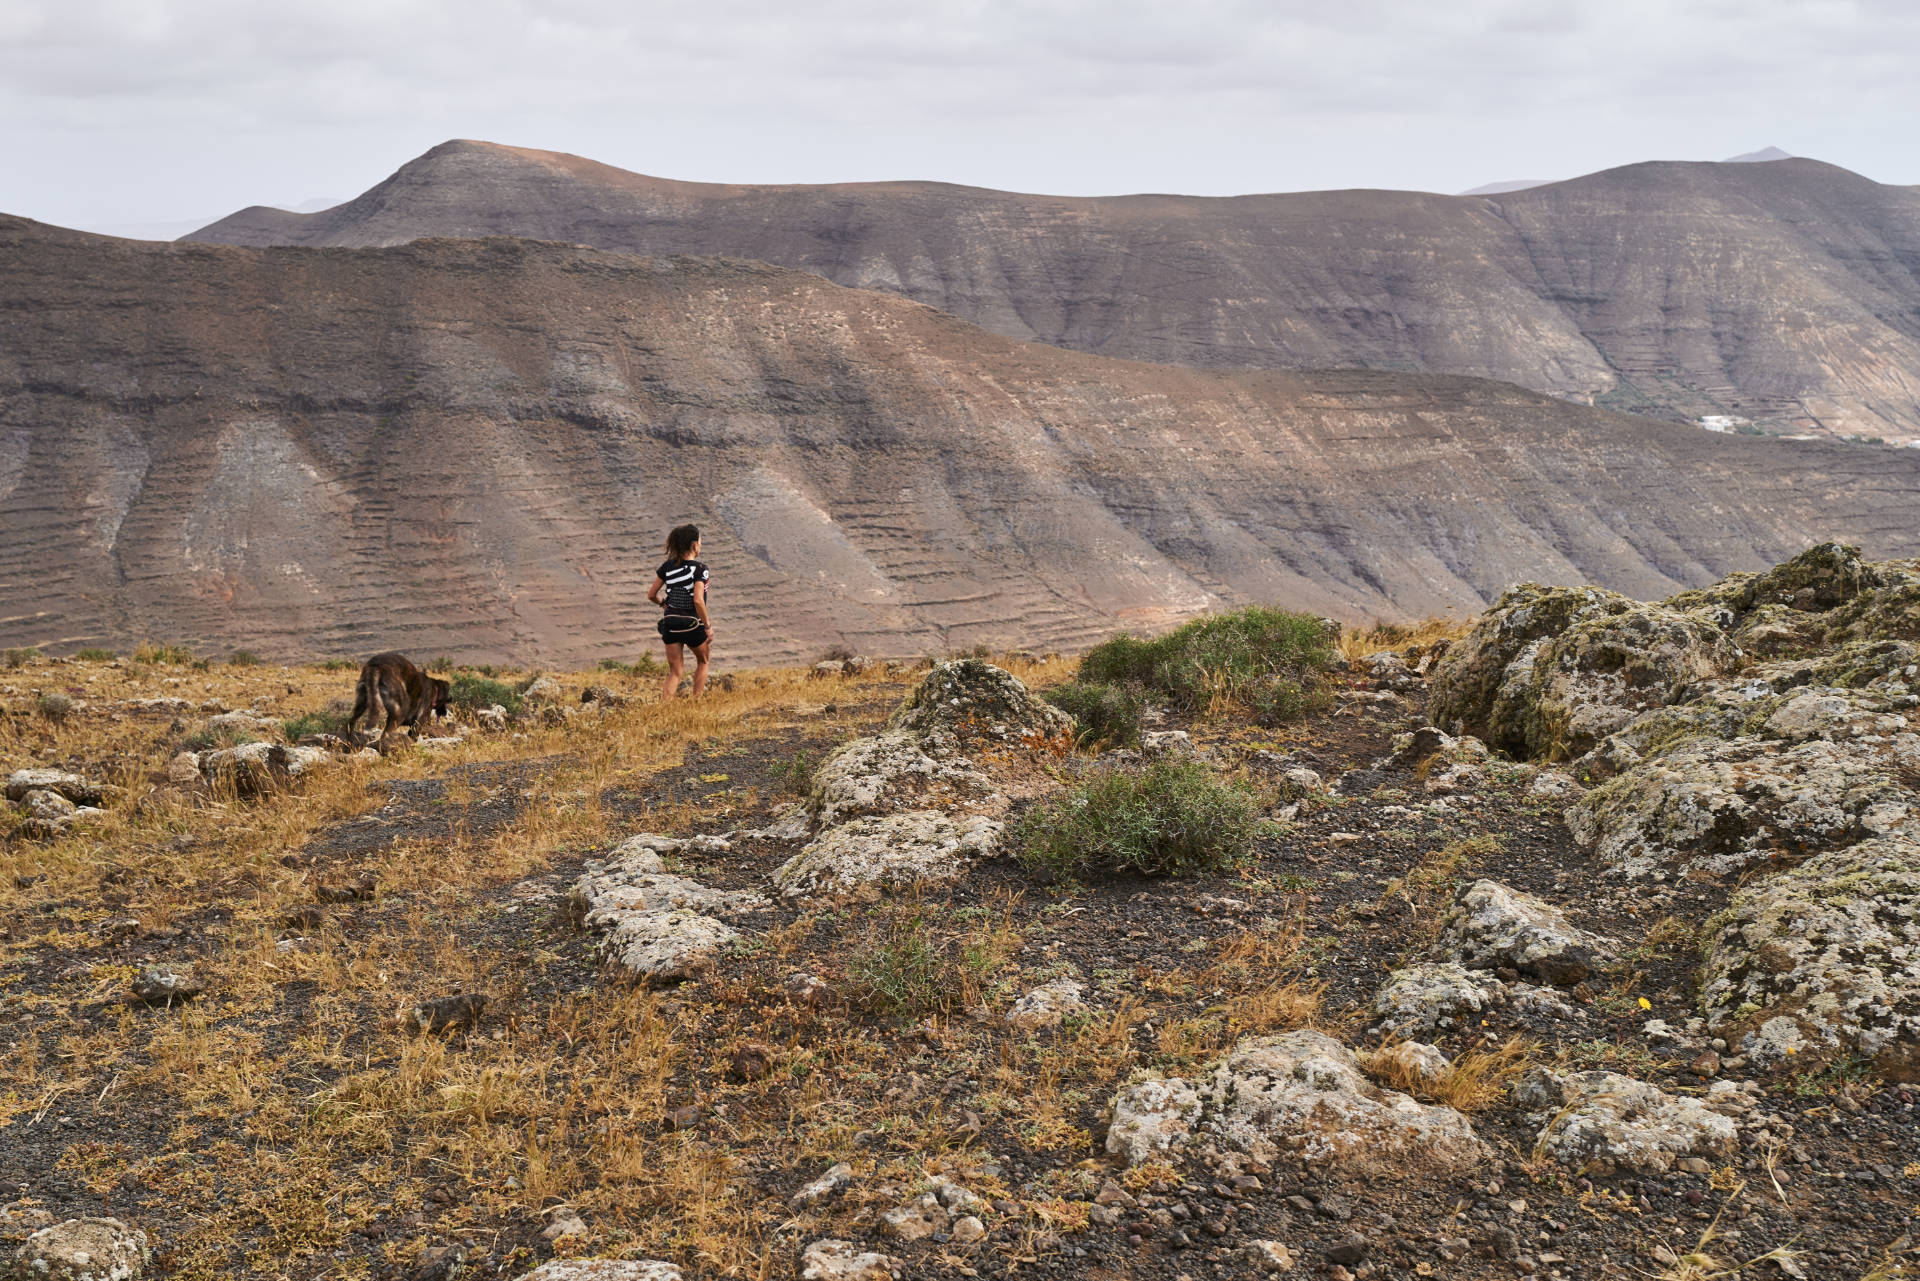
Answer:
(1103, 715)
(474, 691)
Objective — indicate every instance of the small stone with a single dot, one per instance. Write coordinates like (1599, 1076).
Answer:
(836, 1260)
(566, 1225)
(458, 1013)
(828, 1185)
(1706, 1065)
(158, 985)
(752, 1060)
(1349, 1249)
(684, 1117)
(968, 1228)
(809, 990)
(919, 1218)
(1270, 1256)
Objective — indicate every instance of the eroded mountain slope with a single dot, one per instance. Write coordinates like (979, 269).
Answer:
(1788, 292)
(474, 447)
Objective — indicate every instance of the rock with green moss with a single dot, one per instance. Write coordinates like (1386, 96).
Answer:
(1832, 945)
(1509, 635)
(973, 703)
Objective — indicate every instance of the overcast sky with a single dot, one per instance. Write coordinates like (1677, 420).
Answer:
(133, 112)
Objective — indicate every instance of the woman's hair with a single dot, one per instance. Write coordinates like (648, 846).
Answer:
(680, 542)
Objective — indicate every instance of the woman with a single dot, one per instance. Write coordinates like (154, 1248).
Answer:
(684, 580)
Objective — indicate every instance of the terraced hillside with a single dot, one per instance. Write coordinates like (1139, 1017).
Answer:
(474, 448)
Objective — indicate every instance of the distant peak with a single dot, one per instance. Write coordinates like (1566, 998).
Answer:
(1502, 188)
(1758, 157)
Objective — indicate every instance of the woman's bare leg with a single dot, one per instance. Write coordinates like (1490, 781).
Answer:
(671, 685)
(701, 652)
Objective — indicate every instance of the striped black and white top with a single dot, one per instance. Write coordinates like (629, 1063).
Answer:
(680, 576)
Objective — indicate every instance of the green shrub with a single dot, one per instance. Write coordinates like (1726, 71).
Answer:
(175, 655)
(297, 727)
(645, 665)
(243, 658)
(1173, 818)
(336, 664)
(56, 708)
(474, 691)
(795, 773)
(1268, 661)
(1102, 714)
(93, 655)
(19, 657)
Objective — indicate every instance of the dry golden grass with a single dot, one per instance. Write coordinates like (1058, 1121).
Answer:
(1473, 1082)
(1359, 642)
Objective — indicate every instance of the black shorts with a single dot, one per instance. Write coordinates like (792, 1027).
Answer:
(683, 629)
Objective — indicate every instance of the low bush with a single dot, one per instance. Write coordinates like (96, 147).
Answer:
(645, 665)
(1267, 661)
(474, 691)
(1173, 818)
(94, 655)
(19, 657)
(336, 664)
(1103, 715)
(56, 708)
(243, 658)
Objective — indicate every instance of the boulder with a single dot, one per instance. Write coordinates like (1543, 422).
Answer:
(256, 769)
(1832, 947)
(971, 702)
(1470, 676)
(891, 772)
(1408, 1064)
(542, 690)
(48, 805)
(83, 1250)
(1303, 1094)
(72, 787)
(837, 1260)
(1493, 927)
(1433, 996)
(867, 856)
(1607, 1122)
(1047, 1005)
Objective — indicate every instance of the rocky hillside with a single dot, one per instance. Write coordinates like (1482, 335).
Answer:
(786, 980)
(474, 447)
(1784, 293)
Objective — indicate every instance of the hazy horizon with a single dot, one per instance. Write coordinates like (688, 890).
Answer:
(176, 113)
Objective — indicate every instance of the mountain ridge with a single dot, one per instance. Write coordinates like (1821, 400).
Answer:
(1787, 293)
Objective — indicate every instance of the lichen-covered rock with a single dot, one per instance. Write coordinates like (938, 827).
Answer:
(1151, 1117)
(1303, 1094)
(604, 1270)
(1492, 926)
(242, 722)
(1832, 946)
(974, 702)
(255, 769)
(1433, 996)
(163, 985)
(891, 772)
(891, 853)
(1724, 805)
(542, 690)
(837, 1260)
(1600, 673)
(1606, 1122)
(1047, 1005)
(72, 787)
(49, 805)
(1469, 678)
(664, 947)
(83, 1250)
(921, 1217)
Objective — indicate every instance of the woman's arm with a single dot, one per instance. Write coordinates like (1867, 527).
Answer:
(700, 604)
(653, 592)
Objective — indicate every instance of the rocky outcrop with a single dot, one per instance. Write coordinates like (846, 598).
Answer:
(837, 1260)
(1772, 724)
(70, 787)
(1430, 997)
(1047, 1005)
(1301, 1094)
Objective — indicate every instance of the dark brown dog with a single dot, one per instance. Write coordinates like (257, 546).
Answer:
(392, 687)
